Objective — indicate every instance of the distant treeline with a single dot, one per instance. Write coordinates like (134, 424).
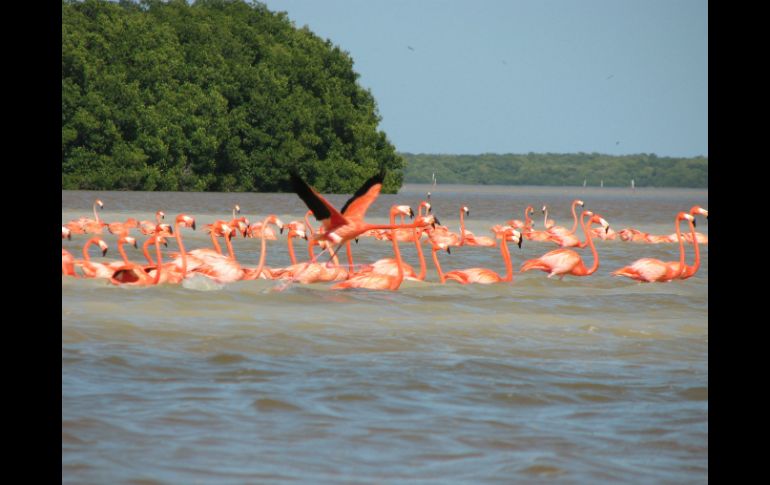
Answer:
(646, 170)
(219, 95)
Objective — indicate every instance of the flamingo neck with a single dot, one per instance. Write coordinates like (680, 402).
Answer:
(574, 218)
(394, 239)
(587, 231)
(545, 219)
(157, 267)
(423, 268)
(680, 239)
(96, 215)
(441, 278)
(181, 248)
(230, 245)
(86, 246)
(122, 251)
(146, 250)
(290, 245)
(462, 227)
(507, 258)
(263, 252)
(696, 265)
(214, 241)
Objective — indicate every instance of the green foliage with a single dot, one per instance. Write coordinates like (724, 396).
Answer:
(214, 95)
(647, 170)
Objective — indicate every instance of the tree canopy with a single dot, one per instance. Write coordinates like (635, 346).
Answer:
(215, 95)
(647, 170)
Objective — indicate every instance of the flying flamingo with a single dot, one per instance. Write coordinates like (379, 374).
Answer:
(378, 281)
(562, 261)
(647, 270)
(467, 238)
(483, 275)
(347, 224)
(689, 271)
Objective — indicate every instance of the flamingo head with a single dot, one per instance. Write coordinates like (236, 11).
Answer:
(426, 204)
(441, 246)
(296, 233)
(103, 246)
(273, 219)
(164, 230)
(513, 235)
(466, 210)
(404, 210)
(128, 240)
(160, 215)
(99, 203)
(66, 232)
(580, 203)
(597, 219)
(185, 221)
(699, 210)
(426, 220)
(237, 209)
(544, 209)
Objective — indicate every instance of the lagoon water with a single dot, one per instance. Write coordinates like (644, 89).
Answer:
(580, 380)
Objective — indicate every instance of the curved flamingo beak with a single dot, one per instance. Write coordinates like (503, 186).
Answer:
(448, 250)
(135, 246)
(411, 213)
(104, 251)
(437, 221)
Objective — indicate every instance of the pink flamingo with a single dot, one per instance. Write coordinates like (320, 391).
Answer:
(559, 230)
(120, 228)
(467, 238)
(347, 224)
(547, 223)
(148, 227)
(67, 260)
(647, 270)
(562, 261)
(527, 224)
(85, 225)
(261, 271)
(93, 269)
(483, 275)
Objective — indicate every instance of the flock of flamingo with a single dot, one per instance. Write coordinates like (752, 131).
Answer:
(339, 227)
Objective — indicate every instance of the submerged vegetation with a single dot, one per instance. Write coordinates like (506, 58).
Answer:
(647, 170)
(214, 95)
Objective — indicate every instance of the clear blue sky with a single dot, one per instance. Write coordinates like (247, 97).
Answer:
(518, 76)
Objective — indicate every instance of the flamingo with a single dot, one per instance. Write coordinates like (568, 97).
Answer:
(93, 269)
(148, 227)
(120, 228)
(467, 238)
(261, 271)
(547, 223)
(559, 230)
(562, 261)
(527, 224)
(647, 270)
(85, 225)
(347, 224)
(378, 281)
(483, 275)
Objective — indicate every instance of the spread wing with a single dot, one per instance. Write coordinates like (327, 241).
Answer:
(322, 209)
(356, 206)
